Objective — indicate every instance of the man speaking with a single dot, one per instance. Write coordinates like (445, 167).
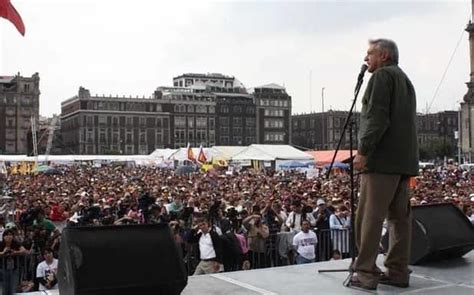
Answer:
(387, 156)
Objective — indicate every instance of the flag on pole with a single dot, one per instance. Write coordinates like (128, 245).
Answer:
(191, 154)
(8, 11)
(14, 169)
(202, 156)
(3, 168)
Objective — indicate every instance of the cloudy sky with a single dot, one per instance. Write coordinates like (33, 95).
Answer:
(130, 47)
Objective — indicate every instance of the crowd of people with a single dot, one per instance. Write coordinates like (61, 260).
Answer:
(222, 221)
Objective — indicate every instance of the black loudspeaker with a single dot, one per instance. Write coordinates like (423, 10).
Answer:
(123, 259)
(439, 231)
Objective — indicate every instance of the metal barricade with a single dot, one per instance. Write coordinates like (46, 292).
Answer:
(279, 251)
(18, 273)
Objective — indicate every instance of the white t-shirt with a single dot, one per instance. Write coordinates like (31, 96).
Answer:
(305, 244)
(48, 272)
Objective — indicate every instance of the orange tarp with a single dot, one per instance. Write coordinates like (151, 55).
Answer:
(325, 157)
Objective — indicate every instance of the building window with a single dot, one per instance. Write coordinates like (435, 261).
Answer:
(201, 122)
(223, 121)
(224, 130)
(190, 122)
(237, 121)
(190, 109)
(180, 122)
(250, 122)
(224, 109)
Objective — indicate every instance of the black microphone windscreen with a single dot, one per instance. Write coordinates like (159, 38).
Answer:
(364, 68)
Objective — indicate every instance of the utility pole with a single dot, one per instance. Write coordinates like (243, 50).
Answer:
(33, 137)
(323, 125)
(310, 91)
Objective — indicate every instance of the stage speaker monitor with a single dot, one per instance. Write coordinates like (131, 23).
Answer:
(123, 259)
(439, 231)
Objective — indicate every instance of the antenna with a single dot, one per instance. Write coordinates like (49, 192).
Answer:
(310, 91)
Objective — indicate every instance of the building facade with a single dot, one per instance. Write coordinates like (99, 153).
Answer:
(192, 115)
(114, 125)
(19, 103)
(438, 127)
(192, 80)
(322, 131)
(273, 114)
(467, 105)
(235, 116)
(200, 109)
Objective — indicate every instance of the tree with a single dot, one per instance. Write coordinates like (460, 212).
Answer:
(436, 149)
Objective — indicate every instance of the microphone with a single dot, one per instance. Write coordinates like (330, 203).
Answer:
(363, 68)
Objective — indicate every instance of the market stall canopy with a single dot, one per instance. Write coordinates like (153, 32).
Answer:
(323, 158)
(270, 152)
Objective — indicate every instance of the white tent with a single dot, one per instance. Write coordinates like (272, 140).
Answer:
(163, 153)
(269, 152)
(181, 154)
(226, 152)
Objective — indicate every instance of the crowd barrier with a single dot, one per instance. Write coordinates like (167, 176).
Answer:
(18, 273)
(279, 251)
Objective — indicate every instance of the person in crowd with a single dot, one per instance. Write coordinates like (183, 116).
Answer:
(10, 249)
(304, 243)
(322, 214)
(46, 271)
(273, 219)
(296, 217)
(340, 224)
(257, 235)
(104, 195)
(210, 248)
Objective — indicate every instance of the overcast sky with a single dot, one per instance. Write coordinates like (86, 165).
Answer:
(130, 47)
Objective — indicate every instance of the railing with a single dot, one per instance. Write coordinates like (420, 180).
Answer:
(279, 251)
(18, 273)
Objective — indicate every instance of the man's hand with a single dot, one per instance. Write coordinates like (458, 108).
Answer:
(360, 162)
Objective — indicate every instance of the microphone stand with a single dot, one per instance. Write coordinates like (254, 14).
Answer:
(349, 123)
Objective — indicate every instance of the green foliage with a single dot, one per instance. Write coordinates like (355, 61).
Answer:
(436, 149)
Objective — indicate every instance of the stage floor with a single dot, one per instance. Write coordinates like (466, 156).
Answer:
(446, 277)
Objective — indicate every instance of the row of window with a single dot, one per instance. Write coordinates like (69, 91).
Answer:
(150, 122)
(190, 97)
(123, 106)
(274, 113)
(237, 109)
(274, 102)
(181, 108)
(194, 122)
(237, 121)
(237, 140)
(274, 136)
(103, 149)
(115, 138)
(273, 123)
(224, 130)
(11, 99)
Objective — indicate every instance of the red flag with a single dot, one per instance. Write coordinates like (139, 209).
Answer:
(202, 157)
(9, 12)
(191, 154)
